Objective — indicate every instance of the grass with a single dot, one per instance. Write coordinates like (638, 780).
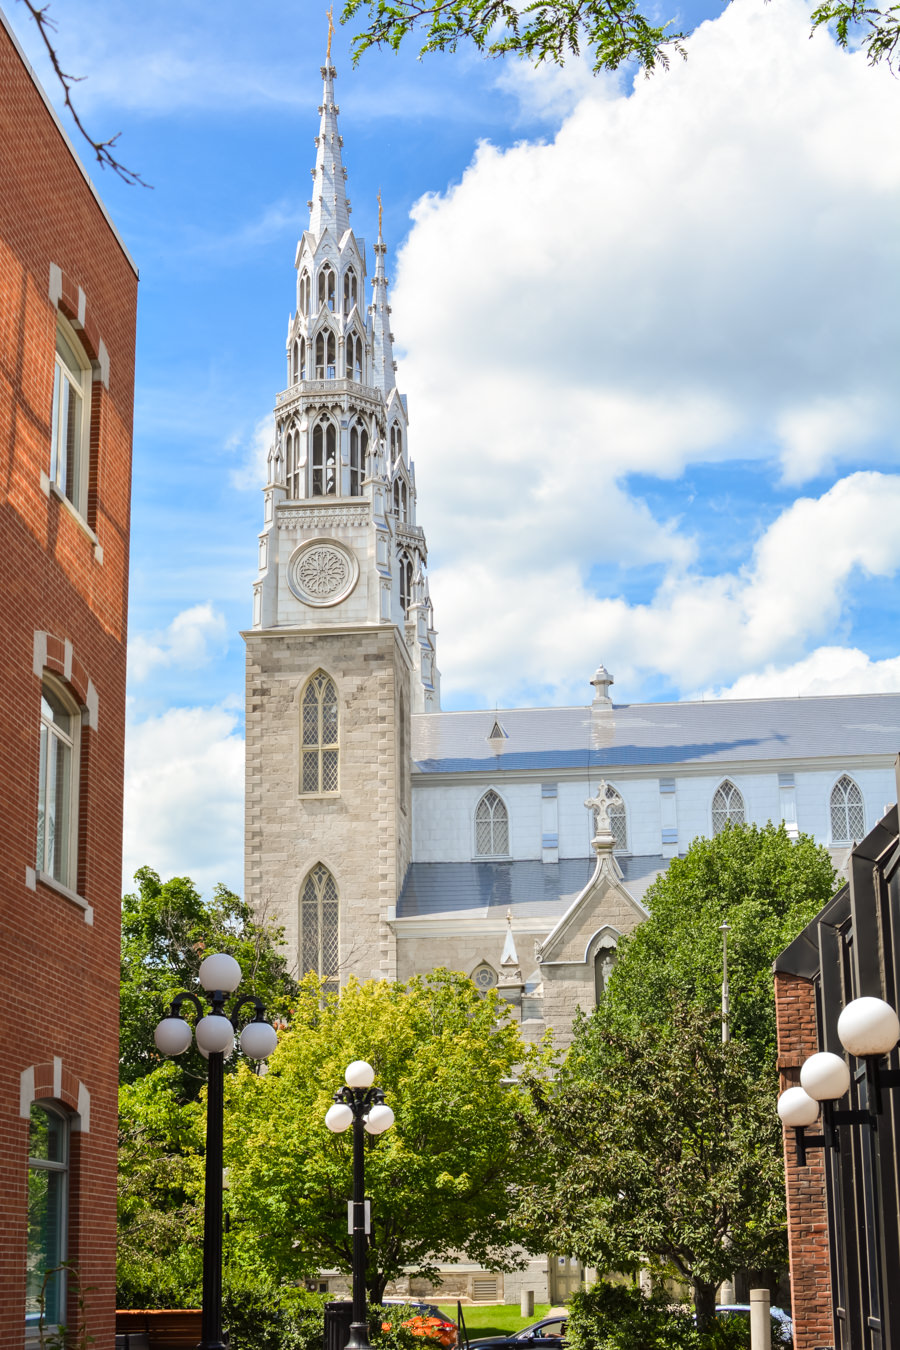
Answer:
(494, 1319)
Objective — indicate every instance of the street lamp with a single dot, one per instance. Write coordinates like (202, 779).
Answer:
(361, 1105)
(220, 976)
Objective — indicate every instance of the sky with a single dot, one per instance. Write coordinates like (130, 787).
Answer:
(648, 329)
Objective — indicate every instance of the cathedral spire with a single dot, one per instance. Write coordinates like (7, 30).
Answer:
(329, 208)
(383, 363)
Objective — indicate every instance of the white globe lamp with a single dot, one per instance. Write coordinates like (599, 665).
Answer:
(219, 971)
(258, 1040)
(825, 1076)
(359, 1074)
(379, 1119)
(215, 1034)
(338, 1118)
(796, 1107)
(172, 1036)
(868, 1026)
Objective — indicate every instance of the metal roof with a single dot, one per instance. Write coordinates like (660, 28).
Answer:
(724, 730)
(531, 889)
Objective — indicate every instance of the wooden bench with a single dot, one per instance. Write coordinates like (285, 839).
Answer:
(157, 1328)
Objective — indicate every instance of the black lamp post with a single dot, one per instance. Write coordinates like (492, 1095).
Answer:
(361, 1105)
(220, 976)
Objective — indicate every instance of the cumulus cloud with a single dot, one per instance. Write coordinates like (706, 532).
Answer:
(253, 452)
(189, 642)
(827, 670)
(670, 281)
(184, 796)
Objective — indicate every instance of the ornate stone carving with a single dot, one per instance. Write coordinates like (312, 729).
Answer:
(322, 573)
(323, 517)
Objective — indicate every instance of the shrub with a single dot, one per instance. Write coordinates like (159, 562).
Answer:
(621, 1317)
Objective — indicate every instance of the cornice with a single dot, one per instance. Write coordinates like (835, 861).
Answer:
(311, 515)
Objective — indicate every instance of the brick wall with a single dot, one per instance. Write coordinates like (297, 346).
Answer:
(795, 1010)
(64, 579)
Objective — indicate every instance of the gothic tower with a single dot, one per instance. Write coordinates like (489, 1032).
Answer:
(342, 648)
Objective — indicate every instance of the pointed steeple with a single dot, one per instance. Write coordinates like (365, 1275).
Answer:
(383, 364)
(329, 207)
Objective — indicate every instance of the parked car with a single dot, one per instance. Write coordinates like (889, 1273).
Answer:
(428, 1321)
(782, 1325)
(548, 1334)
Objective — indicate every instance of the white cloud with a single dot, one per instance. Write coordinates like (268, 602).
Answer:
(827, 670)
(254, 453)
(189, 642)
(671, 281)
(184, 796)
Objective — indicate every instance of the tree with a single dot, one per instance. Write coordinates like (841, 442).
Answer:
(611, 31)
(442, 1178)
(167, 929)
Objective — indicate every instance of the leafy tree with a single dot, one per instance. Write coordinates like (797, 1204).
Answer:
(167, 929)
(442, 1178)
(610, 31)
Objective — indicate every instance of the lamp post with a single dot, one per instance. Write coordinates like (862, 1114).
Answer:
(361, 1105)
(220, 976)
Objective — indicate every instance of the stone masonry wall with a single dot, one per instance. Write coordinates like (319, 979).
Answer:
(795, 1010)
(362, 834)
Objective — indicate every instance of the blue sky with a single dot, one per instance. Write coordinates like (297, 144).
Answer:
(648, 330)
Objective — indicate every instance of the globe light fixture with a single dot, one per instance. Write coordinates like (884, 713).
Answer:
(825, 1076)
(220, 976)
(361, 1105)
(868, 1026)
(797, 1108)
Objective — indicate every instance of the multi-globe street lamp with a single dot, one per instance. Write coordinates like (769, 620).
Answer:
(220, 976)
(361, 1105)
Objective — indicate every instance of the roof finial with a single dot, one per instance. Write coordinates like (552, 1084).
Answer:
(330, 34)
(379, 215)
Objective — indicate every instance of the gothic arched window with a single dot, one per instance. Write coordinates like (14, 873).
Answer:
(401, 499)
(293, 474)
(396, 442)
(848, 817)
(324, 460)
(326, 359)
(319, 735)
(359, 446)
(349, 290)
(326, 286)
(491, 827)
(727, 806)
(319, 927)
(303, 292)
(353, 359)
(406, 582)
(618, 819)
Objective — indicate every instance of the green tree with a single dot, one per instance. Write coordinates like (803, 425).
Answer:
(442, 1178)
(609, 31)
(167, 929)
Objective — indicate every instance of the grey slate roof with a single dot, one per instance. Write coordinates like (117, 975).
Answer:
(636, 734)
(531, 889)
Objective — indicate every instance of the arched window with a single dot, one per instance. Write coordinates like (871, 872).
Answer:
(350, 297)
(604, 960)
(303, 292)
(294, 474)
(324, 460)
(848, 817)
(359, 446)
(70, 420)
(491, 827)
(353, 358)
(618, 819)
(58, 784)
(406, 582)
(401, 499)
(326, 286)
(326, 359)
(319, 769)
(298, 360)
(319, 949)
(727, 806)
(396, 442)
(48, 1166)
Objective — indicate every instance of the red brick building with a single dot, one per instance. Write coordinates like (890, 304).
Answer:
(68, 293)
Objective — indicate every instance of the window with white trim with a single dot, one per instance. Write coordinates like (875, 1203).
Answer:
(326, 286)
(326, 360)
(48, 1186)
(491, 827)
(304, 292)
(618, 819)
(359, 448)
(293, 470)
(319, 927)
(70, 428)
(848, 817)
(319, 735)
(57, 784)
(324, 459)
(350, 291)
(727, 806)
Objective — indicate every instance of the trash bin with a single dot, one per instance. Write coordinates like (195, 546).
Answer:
(338, 1317)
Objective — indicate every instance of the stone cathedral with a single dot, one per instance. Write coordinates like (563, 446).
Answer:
(389, 837)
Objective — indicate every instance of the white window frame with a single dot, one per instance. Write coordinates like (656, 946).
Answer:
(60, 1167)
(71, 378)
(487, 793)
(735, 788)
(53, 739)
(850, 837)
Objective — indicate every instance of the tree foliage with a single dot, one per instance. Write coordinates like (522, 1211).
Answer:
(610, 32)
(442, 1178)
(167, 929)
